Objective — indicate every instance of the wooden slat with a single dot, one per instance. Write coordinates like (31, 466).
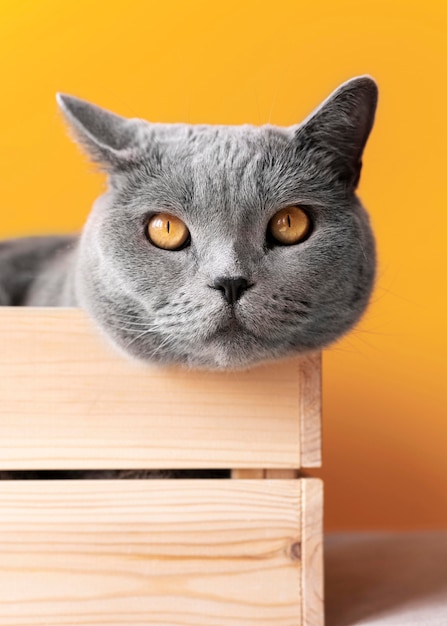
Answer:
(68, 400)
(277, 474)
(189, 553)
(280, 474)
(310, 409)
(247, 473)
(312, 552)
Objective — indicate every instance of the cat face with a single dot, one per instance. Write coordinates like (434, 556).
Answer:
(271, 251)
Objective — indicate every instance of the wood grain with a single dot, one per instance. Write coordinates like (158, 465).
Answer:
(312, 552)
(310, 409)
(174, 553)
(69, 401)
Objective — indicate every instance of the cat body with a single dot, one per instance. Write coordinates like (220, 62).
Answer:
(37, 271)
(231, 295)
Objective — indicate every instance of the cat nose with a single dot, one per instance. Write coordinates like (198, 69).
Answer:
(231, 288)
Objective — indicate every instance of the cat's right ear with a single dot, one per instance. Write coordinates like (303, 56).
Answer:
(108, 139)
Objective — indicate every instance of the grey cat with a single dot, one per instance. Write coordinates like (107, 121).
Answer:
(214, 246)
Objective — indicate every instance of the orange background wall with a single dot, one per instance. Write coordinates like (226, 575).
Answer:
(385, 415)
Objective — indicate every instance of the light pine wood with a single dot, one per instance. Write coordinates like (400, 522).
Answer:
(68, 400)
(247, 473)
(280, 474)
(310, 410)
(152, 552)
(286, 474)
(312, 552)
(189, 553)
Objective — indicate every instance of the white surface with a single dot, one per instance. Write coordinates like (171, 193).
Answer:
(386, 579)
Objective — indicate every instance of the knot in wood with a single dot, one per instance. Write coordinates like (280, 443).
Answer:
(295, 551)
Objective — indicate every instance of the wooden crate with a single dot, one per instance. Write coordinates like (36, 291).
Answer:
(230, 552)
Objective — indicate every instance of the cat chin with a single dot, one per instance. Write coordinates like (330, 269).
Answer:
(230, 346)
(224, 362)
(231, 353)
(236, 361)
(222, 352)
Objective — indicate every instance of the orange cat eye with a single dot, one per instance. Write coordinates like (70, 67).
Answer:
(289, 226)
(167, 231)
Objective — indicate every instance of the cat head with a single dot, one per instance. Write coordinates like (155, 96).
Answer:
(223, 246)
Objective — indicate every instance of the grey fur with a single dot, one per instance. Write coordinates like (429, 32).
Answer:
(225, 182)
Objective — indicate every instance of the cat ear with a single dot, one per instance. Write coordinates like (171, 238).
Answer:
(339, 128)
(108, 139)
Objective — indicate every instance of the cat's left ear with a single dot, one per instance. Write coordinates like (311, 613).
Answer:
(108, 139)
(339, 128)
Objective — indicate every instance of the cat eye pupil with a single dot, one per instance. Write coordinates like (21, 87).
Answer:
(289, 226)
(167, 232)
